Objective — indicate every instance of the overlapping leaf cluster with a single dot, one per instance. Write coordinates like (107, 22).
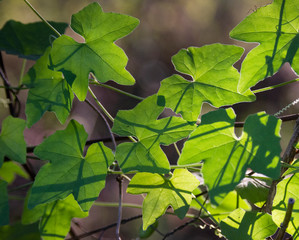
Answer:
(68, 184)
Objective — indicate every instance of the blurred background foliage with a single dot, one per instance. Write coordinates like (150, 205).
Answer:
(165, 27)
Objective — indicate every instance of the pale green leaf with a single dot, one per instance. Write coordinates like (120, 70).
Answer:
(49, 91)
(98, 54)
(10, 169)
(163, 192)
(68, 170)
(10, 137)
(141, 122)
(54, 218)
(4, 207)
(214, 80)
(287, 188)
(227, 157)
(247, 225)
(275, 27)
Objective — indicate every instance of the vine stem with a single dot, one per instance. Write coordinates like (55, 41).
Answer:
(120, 186)
(275, 86)
(42, 18)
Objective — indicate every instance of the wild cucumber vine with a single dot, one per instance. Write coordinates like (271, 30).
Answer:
(239, 185)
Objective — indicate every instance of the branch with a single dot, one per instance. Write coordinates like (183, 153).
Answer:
(119, 216)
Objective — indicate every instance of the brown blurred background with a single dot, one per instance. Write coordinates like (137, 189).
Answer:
(165, 27)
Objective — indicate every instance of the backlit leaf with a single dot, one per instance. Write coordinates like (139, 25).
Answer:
(275, 27)
(98, 54)
(68, 171)
(214, 80)
(227, 157)
(28, 40)
(141, 122)
(49, 91)
(163, 192)
(10, 137)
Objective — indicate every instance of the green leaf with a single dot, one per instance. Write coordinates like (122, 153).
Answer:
(20, 232)
(10, 169)
(68, 170)
(275, 27)
(227, 157)
(28, 40)
(4, 207)
(249, 225)
(49, 91)
(141, 122)
(287, 188)
(98, 54)
(214, 80)
(54, 218)
(163, 192)
(10, 137)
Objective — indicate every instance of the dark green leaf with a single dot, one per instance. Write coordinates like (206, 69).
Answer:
(249, 225)
(214, 80)
(20, 232)
(275, 27)
(68, 170)
(141, 122)
(49, 91)
(4, 207)
(10, 137)
(227, 157)
(163, 192)
(98, 54)
(28, 40)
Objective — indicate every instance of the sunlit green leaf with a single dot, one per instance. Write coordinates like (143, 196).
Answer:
(28, 40)
(163, 192)
(10, 137)
(49, 91)
(98, 54)
(227, 157)
(54, 218)
(275, 27)
(247, 225)
(287, 188)
(10, 169)
(4, 207)
(141, 122)
(68, 170)
(20, 232)
(214, 80)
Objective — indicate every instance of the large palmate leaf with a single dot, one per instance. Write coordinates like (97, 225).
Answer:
(49, 91)
(227, 157)
(98, 54)
(214, 80)
(68, 170)
(275, 27)
(288, 188)
(28, 40)
(10, 137)
(249, 225)
(54, 218)
(163, 192)
(141, 122)
(4, 207)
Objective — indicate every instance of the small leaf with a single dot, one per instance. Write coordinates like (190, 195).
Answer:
(275, 27)
(68, 170)
(10, 137)
(54, 218)
(49, 91)
(141, 122)
(4, 207)
(10, 169)
(227, 157)
(214, 80)
(287, 188)
(28, 40)
(249, 225)
(162, 193)
(98, 54)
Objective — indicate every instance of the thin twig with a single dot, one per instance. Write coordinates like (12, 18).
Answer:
(119, 216)
(179, 228)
